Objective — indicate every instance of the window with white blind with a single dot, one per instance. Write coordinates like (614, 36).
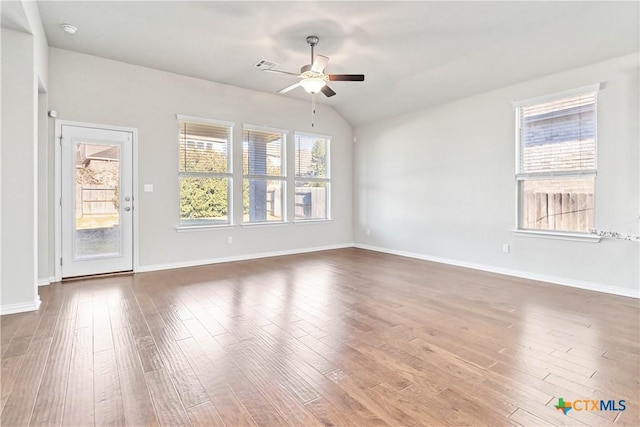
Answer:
(312, 177)
(556, 165)
(205, 171)
(264, 183)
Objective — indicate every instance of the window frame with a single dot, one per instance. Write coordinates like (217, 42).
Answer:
(326, 180)
(521, 177)
(226, 175)
(283, 177)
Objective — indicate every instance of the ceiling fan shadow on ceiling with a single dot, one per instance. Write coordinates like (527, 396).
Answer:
(312, 76)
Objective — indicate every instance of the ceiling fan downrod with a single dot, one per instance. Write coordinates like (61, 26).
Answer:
(312, 41)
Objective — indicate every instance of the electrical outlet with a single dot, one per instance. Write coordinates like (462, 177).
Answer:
(229, 240)
(505, 248)
(368, 232)
(148, 188)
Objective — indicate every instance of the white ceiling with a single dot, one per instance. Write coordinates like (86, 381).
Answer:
(414, 54)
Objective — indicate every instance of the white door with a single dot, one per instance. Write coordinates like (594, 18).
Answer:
(97, 200)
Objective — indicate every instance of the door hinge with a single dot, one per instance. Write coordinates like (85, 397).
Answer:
(61, 261)
(60, 201)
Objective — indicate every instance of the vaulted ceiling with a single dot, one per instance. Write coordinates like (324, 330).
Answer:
(414, 54)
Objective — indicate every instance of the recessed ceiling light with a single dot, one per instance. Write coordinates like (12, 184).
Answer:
(69, 29)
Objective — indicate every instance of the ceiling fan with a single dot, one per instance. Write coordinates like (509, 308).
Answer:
(312, 76)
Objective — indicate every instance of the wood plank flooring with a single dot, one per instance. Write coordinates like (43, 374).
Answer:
(345, 337)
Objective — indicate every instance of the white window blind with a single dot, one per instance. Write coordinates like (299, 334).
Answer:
(264, 174)
(204, 147)
(558, 137)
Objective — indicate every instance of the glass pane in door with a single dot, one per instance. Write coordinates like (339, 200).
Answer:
(97, 213)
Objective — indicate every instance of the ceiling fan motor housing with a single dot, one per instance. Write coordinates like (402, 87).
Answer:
(306, 73)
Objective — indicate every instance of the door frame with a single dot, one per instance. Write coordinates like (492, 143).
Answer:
(58, 188)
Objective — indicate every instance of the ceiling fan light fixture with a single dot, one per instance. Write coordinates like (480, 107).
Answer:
(313, 85)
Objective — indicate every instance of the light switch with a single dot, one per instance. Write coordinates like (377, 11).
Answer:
(148, 188)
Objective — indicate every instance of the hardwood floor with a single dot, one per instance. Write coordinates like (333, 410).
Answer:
(344, 337)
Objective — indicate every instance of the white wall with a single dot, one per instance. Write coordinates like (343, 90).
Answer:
(45, 176)
(91, 89)
(45, 195)
(24, 86)
(20, 79)
(439, 184)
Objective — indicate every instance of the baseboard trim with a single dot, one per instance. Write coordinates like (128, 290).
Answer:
(597, 287)
(195, 263)
(46, 281)
(20, 307)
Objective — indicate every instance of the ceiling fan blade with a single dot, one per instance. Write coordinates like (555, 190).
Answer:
(288, 88)
(346, 77)
(319, 63)
(328, 92)
(282, 72)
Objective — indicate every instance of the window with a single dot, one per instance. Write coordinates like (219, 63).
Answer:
(206, 177)
(205, 172)
(264, 184)
(311, 177)
(556, 165)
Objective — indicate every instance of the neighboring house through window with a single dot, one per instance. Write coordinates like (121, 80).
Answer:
(556, 161)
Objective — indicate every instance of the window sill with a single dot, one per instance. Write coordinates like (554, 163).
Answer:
(312, 221)
(189, 228)
(558, 235)
(265, 224)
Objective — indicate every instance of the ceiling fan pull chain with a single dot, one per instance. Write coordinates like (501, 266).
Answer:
(313, 108)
